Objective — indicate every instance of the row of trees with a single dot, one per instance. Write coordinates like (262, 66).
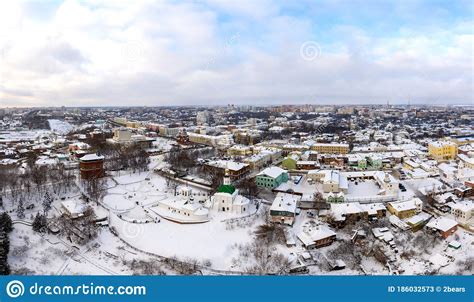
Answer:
(181, 159)
(127, 157)
(185, 159)
(122, 157)
(6, 227)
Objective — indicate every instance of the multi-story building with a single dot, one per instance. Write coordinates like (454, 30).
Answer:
(443, 150)
(331, 148)
(283, 209)
(169, 131)
(239, 150)
(233, 169)
(405, 209)
(125, 136)
(333, 181)
(122, 135)
(465, 161)
(202, 117)
(271, 177)
(223, 140)
(91, 166)
(258, 161)
(462, 211)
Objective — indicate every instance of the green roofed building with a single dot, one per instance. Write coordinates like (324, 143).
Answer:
(226, 189)
(289, 163)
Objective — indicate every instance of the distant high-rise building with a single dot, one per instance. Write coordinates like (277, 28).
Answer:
(202, 117)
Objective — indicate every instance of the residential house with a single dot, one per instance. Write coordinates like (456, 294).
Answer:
(405, 209)
(73, 208)
(289, 163)
(443, 226)
(318, 237)
(283, 209)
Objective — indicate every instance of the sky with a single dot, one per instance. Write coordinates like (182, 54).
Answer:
(243, 52)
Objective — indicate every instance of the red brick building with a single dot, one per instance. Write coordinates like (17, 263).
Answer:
(443, 226)
(91, 166)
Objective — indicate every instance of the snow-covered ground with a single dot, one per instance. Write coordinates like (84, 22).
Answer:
(32, 253)
(204, 241)
(441, 258)
(217, 242)
(363, 188)
(9, 135)
(60, 127)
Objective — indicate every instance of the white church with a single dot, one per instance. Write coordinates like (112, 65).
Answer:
(227, 199)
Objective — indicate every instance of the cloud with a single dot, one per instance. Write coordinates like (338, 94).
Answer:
(219, 52)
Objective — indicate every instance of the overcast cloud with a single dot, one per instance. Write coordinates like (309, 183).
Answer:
(82, 53)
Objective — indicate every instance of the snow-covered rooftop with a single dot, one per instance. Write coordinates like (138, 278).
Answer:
(442, 223)
(285, 202)
(406, 205)
(272, 172)
(91, 157)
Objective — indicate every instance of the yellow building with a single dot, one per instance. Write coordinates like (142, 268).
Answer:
(239, 150)
(442, 150)
(133, 124)
(405, 209)
(331, 148)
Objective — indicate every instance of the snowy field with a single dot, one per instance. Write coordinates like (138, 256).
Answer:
(6, 136)
(32, 253)
(60, 127)
(206, 241)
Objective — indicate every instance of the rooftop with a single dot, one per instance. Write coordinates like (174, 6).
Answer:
(91, 157)
(272, 172)
(442, 224)
(226, 189)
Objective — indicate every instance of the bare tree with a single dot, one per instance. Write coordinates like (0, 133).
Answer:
(95, 188)
(79, 230)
